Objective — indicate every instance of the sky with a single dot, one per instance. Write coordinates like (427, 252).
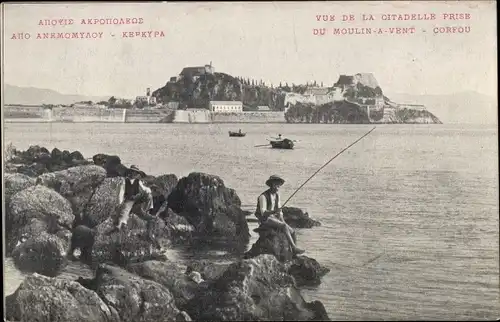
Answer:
(269, 41)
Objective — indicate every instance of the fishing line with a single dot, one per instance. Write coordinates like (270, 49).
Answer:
(363, 264)
(297, 190)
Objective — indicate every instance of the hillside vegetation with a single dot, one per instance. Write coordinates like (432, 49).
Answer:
(196, 93)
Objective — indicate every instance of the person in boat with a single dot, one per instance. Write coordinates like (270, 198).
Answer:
(240, 131)
(270, 214)
(279, 136)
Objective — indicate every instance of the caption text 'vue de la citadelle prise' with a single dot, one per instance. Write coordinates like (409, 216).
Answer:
(392, 24)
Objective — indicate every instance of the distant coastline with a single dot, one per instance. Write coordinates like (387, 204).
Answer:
(201, 95)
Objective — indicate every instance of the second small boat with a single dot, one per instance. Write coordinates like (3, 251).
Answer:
(237, 134)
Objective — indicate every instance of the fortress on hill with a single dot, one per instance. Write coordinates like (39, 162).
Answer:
(200, 93)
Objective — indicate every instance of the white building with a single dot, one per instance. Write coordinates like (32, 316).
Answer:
(322, 95)
(173, 105)
(263, 108)
(338, 94)
(226, 106)
(146, 99)
(294, 98)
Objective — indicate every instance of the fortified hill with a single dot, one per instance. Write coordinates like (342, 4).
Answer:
(352, 99)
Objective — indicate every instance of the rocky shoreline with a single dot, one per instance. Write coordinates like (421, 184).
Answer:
(53, 197)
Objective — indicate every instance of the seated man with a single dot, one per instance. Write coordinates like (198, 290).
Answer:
(137, 198)
(269, 211)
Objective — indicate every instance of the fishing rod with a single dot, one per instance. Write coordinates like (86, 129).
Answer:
(297, 190)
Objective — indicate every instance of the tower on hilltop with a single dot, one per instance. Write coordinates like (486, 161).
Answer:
(209, 69)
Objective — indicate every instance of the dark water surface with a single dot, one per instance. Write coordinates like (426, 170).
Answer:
(410, 214)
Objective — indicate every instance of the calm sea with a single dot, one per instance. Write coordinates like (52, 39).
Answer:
(410, 214)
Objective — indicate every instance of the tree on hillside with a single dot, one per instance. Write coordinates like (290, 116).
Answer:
(85, 102)
(112, 101)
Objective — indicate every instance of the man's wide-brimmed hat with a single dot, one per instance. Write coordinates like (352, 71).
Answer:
(135, 169)
(275, 178)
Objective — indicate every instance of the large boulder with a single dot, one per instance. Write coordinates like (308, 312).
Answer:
(212, 208)
(297, 218)
(306, 271)
(112, 164)
(77, 184)
(177, 229)
(170, 275)
(167, 183)
(41, 209)
(135, 299)
(44, 254)
(62, 160)
(15, 182)
(33, 170)
(42, 203)
(130, 245)
(33, 228)
(33, 154)
(257, 289)
(38, 160)
(44, 299)
(103, 203)
(65, 158)
(209, 270)
(273, 242)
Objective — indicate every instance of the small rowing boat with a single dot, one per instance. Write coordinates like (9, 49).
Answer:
(237, 134)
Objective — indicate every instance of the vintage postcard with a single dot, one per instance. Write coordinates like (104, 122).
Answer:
(250, 161)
